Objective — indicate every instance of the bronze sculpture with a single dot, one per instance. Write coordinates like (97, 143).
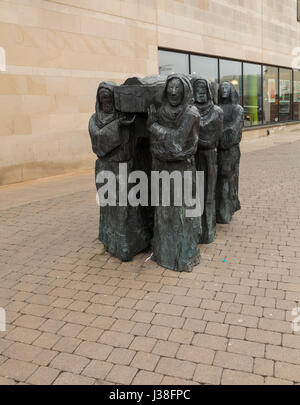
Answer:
(174, 132)
(229, 153)
(135, 96)
(154, 125)
(210, 131)
(122, 229)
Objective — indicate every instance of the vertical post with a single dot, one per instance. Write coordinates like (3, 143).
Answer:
(242, 84)
(2, 60)
(278, 117)
(262, 95)
(292, 96)
(2, 320)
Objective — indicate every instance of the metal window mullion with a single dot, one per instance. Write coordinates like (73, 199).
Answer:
(262, 93)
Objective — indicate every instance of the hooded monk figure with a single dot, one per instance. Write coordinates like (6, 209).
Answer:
(229, 154)
(122, 229)
(211, 123)
(174, 139)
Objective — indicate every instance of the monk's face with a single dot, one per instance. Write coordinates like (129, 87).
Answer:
(175, 92)
(106, 100)
(225, 90)
(201, 96)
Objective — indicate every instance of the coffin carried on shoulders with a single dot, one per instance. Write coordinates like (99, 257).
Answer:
(136, 94)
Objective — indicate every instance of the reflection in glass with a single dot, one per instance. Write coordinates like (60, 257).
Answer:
(231, 71)
(172, 62)
(252, 94)
(205, 67)
(285, 94)
(277, 103)
(297, 95)
(270, 85)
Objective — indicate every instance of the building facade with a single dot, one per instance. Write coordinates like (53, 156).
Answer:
(54, 53)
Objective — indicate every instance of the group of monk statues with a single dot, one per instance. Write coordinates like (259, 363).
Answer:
(176, 124)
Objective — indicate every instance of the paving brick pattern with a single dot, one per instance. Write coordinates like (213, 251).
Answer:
(78, 316)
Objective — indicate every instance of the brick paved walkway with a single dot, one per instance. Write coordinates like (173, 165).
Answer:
(78, 316)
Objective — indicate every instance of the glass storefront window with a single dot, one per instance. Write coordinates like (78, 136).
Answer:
(205, 67)
(278, 102)
(270, 91)
(252, 94)
(285, 94)
(173, 62)
(297, 95)
(231, 71)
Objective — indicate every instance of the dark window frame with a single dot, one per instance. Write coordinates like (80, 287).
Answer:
(278, 96)
(242, 61)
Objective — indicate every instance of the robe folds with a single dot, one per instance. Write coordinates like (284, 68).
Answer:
(173, 143)
(123, 230)
(210, 131)
(228, 162)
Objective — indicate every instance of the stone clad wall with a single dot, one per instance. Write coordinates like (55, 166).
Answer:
(258, 30)
(57, 51)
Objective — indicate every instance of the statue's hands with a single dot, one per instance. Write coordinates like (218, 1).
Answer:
(124, 121)
(152, 115)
